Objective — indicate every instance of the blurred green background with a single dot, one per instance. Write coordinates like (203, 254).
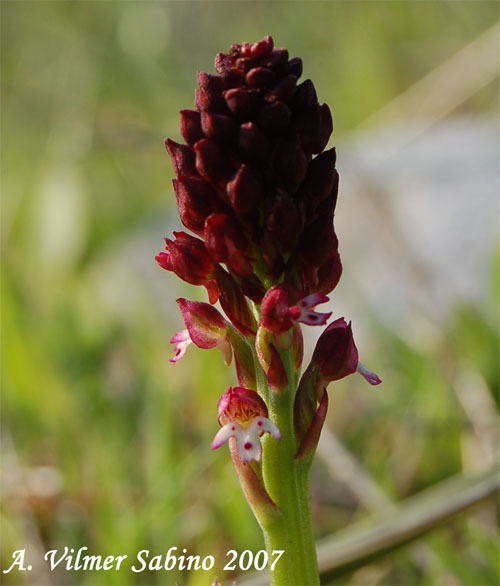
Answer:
(104, 443)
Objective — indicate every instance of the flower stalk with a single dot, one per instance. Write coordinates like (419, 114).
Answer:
(258, 190)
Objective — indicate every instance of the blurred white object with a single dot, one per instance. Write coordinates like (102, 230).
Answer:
(418, 222)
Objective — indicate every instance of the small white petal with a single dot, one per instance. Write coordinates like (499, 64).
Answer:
(181, 340)
(227, 431)
(312, 300)
(263, 425)
(247, 439)
(248, 445)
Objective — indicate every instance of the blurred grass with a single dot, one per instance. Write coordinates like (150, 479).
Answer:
(105, 444)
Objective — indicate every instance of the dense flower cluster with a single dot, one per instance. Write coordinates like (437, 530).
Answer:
(258, 191)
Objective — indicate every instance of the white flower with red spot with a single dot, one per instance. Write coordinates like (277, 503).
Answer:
(243, 416)
(247, 438)
(303, 310)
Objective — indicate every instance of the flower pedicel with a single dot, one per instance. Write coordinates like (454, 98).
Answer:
(258, 190)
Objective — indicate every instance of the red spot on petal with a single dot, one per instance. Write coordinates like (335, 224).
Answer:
(248, 446)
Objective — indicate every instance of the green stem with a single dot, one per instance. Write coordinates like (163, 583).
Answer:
(287, 483)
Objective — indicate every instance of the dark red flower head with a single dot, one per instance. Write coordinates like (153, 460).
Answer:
(248, 181)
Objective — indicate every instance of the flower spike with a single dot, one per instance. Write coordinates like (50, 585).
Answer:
(256, 189)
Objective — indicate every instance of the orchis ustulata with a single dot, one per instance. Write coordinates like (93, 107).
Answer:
(258, 190)
(243, 416)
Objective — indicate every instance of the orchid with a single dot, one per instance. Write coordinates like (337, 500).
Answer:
(247, 438)
(243, 416)
(258, 188)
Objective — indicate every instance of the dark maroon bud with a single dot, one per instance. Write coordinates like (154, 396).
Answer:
(219, 127)
(335, 355)
(274, 314)
(252, 143)
(320, 177)
(253, 288)
(310, 277)
(294, 274)
(305, 96)
(272, 255)
(221, 63)
(260, 77)
(329, 274)
(294, 67)
(242, 103)
(188, 258)
(183, 158)
(282, 220)
(290, 164)
(234, 304)
(277, 59)
(260, 48)
(191, 126)
(246, 63)
(282, 89)
(318, 242)
(326, 207)
(226, 242)
(222, 233)
(307, 124)
(234, 77)
(212, 83)
(325, 131)
(274, 117)
(196, 200)
(326, 123)
(210, 101)
(211, 161)
(244, 191)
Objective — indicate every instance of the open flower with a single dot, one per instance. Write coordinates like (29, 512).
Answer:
(278, 314)
(247, 438)
(243, 416)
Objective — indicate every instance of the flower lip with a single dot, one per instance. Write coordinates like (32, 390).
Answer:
(247, 438)
(370, 376)
(181, 340)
